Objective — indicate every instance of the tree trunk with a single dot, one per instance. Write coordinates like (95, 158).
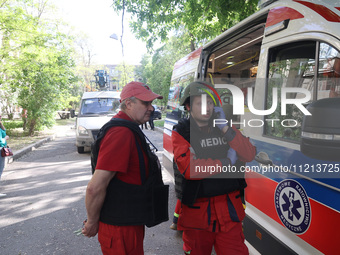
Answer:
(31, 127)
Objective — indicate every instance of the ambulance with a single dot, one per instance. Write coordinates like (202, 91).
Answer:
(277, 76)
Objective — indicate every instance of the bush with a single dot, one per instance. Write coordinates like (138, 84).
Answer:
(12, 124)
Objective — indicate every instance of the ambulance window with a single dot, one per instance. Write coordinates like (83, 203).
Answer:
(329, 72)
(236, 60)
(174, 109)
(291, 65)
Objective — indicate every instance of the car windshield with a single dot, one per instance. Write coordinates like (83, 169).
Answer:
(99, 106)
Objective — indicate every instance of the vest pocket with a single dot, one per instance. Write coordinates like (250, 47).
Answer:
(159, 211)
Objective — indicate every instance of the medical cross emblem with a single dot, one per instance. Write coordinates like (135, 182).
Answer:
(291, 205)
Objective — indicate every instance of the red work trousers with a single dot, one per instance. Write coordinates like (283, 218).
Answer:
(121, 240)
(201, 242)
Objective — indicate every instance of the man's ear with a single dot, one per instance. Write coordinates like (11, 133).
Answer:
(187, 106)
(128, 103)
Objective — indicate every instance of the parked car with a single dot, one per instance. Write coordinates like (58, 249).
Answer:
(158, 113)
(96, 109)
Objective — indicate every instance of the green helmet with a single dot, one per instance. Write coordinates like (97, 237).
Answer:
(196, 88)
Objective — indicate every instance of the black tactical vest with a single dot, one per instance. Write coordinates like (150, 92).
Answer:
(129, 204)
(206, 145)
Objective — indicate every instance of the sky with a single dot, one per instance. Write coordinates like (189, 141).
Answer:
(98, 20)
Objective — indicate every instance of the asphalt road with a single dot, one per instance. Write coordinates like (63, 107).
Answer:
(45, 203)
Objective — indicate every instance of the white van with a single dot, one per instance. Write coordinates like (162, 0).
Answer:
(281, 64)
(96, 109)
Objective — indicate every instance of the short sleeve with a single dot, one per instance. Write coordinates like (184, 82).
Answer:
(115, 150)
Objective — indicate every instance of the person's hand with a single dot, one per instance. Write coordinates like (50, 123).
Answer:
(6, 137)
(232, 155)
(90, 229)
(219, 114)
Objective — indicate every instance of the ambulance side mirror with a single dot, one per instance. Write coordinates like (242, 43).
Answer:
(320, 136)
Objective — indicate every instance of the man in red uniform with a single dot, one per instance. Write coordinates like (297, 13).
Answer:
(120, 167)
(211, 210)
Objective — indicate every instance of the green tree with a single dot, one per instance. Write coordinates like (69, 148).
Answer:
(200, 19)
(44, 77)
(37, 61)
(157, 71)
(13, 22)
(142, 71)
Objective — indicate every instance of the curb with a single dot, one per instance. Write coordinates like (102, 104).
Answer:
(18, 154)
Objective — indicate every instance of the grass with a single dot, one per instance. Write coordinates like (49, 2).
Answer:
(60, 122)
(159, 123)
(19, 139)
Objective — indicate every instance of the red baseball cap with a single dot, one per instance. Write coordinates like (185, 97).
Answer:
(138, 90)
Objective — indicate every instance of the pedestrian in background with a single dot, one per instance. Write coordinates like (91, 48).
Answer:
(152, 115)
(3, 143)
(145, 124)
(116, 209)
(211, 209)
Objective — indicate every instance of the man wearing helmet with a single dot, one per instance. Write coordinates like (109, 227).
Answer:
(211, 210)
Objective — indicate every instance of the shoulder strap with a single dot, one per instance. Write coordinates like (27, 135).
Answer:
(114, 122)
